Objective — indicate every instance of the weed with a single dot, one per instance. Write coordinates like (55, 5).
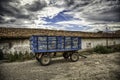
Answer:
(19, 56)
(102, 49)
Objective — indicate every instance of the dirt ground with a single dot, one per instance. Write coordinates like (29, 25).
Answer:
(94, 67)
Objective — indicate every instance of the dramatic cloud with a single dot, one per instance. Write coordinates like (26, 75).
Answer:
(36, 5)
(101, 10)
(10, 10)
(82, 15)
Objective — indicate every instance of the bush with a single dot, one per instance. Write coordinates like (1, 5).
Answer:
(19, 56)
(116, 48)
(16, 55)
(102, 49)
(11, 57)
(32, 55)
(28, 56)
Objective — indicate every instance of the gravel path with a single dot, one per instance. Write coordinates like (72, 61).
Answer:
(94, 67)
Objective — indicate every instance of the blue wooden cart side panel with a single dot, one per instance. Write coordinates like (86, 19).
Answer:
(40, 44)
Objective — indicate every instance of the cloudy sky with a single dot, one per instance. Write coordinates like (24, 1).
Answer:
(73, 15)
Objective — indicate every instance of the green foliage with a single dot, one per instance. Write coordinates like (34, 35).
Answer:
(19, 56)
(116, 48)
(16, 55)
(102, 49)
(11, 57)
(28, 56)
(32, 55)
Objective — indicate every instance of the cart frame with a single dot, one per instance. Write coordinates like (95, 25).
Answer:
(43, 46)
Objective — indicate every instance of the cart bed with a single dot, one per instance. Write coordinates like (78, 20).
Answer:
(40, 44)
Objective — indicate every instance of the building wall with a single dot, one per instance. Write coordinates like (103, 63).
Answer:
(19, 45)
(92, 42)
(23, 45)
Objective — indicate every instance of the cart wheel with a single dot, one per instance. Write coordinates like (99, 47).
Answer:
(74, 57)
(65, 55)
(45, 60)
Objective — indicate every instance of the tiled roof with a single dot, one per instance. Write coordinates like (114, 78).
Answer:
(27, 32)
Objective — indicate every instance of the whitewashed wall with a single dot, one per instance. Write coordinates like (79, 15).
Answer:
(20, 45)
(23, 45)
(92, 42)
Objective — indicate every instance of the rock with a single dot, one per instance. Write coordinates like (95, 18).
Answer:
(97, 62)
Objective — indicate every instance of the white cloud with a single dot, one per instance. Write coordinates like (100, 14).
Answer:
(7, 18)
(49, 12)
(93, 13)
(46, 12)
(51, 27)
(39, 22)
(76, 22)
(24, 2)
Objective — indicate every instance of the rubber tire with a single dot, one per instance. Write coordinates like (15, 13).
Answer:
(74, 55)
(66, 55)
(43, 58)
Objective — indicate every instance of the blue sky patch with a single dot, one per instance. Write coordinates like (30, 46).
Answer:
(74, 27)
(61, 16)
(70, 27)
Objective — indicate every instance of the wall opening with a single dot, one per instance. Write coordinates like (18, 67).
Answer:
(88, 45)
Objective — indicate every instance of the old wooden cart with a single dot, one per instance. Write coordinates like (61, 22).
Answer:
(43, 46)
